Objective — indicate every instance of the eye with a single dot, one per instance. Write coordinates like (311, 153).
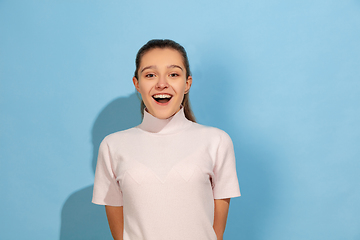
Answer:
(150, 75)
(174, 75)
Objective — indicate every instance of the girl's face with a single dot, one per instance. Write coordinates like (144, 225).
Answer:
(162, 82)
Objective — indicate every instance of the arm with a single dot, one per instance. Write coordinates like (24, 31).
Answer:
(220, 215)
(115, 218)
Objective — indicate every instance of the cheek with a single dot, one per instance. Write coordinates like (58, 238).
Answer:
(144, 88)
(181, 87)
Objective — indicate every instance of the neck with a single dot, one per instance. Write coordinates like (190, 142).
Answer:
(164, 126)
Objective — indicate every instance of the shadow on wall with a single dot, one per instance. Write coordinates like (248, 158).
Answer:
(81, 219)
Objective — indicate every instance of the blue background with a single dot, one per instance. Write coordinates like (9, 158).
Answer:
(281, 77)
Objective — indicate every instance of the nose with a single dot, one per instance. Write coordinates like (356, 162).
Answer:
(162, 83)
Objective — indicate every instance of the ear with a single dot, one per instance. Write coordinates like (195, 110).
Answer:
(136, 83)
(188, 84)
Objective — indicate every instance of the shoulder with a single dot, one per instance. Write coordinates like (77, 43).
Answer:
(120, 136)
(211, 132)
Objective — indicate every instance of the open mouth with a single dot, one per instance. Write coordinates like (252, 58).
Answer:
(162, 98)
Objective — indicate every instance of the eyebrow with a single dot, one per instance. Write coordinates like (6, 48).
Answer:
(154, 67)
(148, 67)
(175, 66)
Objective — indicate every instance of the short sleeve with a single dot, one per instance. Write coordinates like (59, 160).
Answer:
(106, 189)
(225, 183)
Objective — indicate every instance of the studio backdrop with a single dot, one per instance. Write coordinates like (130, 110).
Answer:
(282, 78)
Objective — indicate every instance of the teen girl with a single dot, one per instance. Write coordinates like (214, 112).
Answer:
(169, 177)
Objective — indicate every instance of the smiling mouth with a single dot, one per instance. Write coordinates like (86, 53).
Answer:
(162, 98)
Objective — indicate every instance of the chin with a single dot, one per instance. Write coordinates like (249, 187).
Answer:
(164, 114)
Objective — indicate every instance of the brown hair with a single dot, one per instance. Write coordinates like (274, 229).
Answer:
(166, 43)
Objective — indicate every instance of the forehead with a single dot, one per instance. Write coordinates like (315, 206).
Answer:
(161, 56)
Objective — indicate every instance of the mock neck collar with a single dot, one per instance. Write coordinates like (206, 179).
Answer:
(170, 125)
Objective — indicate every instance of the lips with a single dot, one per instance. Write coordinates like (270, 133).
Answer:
(162, 98)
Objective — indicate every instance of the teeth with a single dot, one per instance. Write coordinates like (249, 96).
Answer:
(162, 96)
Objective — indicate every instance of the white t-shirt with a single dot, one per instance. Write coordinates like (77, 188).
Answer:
(166, 174)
